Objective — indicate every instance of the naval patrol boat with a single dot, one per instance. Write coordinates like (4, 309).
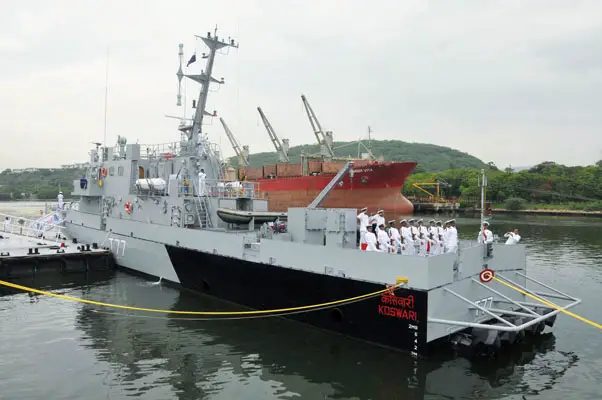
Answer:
(171, 212)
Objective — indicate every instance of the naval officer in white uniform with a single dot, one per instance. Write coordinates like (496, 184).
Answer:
(370, 240)
(513, 237)
(451, 237)
(485, 235)
(202, 186)
(60, 201)
(363, 220)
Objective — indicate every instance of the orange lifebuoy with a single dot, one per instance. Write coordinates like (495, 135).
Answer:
(103, 171)
(129, 207)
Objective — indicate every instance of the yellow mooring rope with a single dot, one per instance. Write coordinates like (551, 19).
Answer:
(587, 321)
(400, 281)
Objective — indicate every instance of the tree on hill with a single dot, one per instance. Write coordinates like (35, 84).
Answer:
(430, 157)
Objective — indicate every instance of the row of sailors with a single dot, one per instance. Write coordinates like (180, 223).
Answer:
(413, 238)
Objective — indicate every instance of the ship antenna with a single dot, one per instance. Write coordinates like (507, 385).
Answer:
(180, 74)
(482, 181)
(106, 96)
(204, 78)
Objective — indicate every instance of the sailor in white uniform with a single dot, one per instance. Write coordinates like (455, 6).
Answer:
(363, 219)
(422, 238)
(439, 232)
(431, 238)
(432, 248)
(60, 201)
(372, 222)
(513, 237)
(432, 228)
(408, 242)
(202, 186)
(423, 230)
(384, 241)
(6, 224)
(395, 236)
(485, 235)
(451, 243)
(380, 219)
(415, 236)
(445, 235)
(370, 240)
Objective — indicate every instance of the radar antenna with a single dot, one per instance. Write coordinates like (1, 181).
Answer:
(281, 148)
(243, 155)
(324, 138)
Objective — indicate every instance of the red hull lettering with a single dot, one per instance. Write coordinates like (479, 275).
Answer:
(397, 313)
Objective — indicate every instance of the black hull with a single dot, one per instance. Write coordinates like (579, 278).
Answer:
(261, 286)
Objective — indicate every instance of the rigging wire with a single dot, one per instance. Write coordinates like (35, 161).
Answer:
(401, 281)
(547, 303)
(234, 318)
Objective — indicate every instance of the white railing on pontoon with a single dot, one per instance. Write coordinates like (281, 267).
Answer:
(48, 227)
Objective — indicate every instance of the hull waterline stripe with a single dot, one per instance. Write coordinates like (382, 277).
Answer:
(254, 312)
(547, 303)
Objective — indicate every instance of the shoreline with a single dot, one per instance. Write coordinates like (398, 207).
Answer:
(537, 212)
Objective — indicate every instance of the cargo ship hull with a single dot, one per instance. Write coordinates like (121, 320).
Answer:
(376, 185)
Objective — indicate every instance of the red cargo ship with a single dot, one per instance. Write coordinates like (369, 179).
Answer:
(372, 184)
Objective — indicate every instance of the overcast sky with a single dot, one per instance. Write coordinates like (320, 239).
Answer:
(513, 82)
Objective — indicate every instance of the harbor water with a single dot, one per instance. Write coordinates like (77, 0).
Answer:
(56, 349)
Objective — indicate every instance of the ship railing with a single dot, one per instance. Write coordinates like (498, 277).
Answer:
(462, 245)
(162, 151)
(48, 226)
(221, 188)
(512, 315)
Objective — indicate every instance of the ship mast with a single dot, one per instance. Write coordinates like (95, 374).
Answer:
(194, 131)
(281, 148)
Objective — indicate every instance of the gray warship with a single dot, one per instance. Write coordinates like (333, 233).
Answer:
(213, 234)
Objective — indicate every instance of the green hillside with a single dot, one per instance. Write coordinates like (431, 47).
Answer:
(430, 158)
(40, 183)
